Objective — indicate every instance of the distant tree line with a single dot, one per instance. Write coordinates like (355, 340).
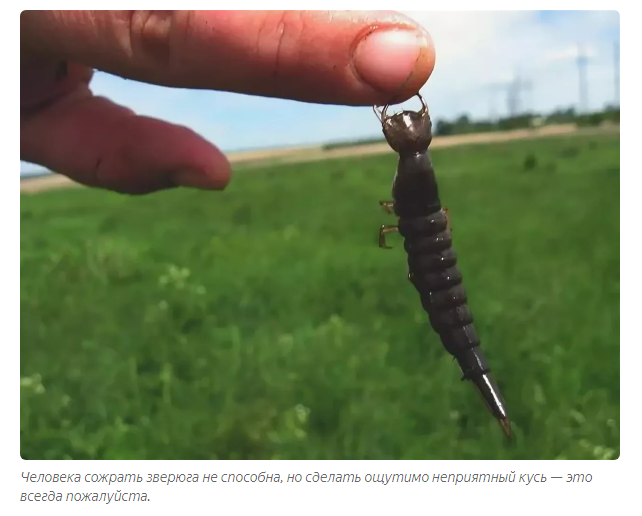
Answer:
(465, 125)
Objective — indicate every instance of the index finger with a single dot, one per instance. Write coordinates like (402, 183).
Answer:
(336, 57)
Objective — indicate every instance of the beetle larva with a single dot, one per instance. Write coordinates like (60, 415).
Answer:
(432, 262)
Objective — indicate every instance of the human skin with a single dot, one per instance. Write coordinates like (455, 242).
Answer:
(356, 58)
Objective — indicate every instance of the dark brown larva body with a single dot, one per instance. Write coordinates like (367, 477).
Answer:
(432, 262)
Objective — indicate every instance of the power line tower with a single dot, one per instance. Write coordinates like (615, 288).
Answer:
(514, 94)
(582, 61)
(493, 90)
(513, 89)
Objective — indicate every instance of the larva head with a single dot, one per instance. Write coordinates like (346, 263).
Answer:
(408, 132)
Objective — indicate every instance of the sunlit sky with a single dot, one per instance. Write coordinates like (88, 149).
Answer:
(474, 51)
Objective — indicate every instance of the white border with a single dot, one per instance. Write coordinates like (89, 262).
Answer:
(612, 487)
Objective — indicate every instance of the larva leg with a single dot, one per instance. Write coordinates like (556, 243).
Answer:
(387, 207)
(383, 231)
(446, 212)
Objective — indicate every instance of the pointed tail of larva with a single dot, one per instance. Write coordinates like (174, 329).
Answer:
(490, 393)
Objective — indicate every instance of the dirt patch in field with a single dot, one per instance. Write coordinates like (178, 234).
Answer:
(313, 153)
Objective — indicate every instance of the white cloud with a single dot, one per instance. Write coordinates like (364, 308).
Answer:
(477, 50)
(570, 53)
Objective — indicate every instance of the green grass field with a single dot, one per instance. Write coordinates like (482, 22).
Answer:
(265, 323)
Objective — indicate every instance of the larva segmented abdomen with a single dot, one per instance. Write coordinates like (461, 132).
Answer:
(432, 263)
(433, 270)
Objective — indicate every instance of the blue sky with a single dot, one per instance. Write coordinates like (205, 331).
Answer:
(474, 51)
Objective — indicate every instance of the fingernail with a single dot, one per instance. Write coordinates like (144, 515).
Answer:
(385, 59)
(197, 179)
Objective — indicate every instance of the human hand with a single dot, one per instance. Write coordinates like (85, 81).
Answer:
(333, 57)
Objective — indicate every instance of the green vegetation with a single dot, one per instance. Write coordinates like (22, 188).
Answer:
(264, 322)
(465, 125)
